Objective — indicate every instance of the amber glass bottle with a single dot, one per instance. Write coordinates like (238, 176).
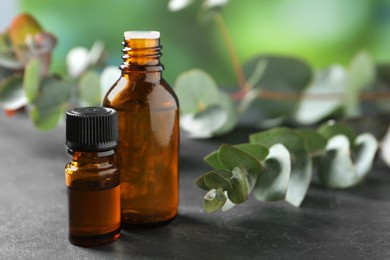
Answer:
(148, 114)
(92, 177)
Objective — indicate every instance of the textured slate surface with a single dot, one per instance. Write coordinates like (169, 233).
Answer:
(331, 224)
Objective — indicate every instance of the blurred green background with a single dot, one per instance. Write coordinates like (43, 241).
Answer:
(322, 32)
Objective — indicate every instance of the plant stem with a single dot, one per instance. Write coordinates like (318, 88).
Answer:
(232, 52)
(275, 95)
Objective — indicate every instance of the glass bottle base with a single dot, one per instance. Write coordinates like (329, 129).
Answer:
(89, 241)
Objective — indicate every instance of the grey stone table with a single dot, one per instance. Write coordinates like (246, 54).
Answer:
(331, 224)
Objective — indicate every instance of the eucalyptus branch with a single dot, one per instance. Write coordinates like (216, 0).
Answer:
(278, 164)
(276, 95)
(232, 52)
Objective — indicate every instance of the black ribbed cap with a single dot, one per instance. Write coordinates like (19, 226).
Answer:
(91, 129)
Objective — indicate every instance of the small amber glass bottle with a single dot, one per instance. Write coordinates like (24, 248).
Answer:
(92, 177)
(148, 114)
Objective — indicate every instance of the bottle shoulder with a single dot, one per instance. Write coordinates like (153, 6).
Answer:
(99, 175)
(128, 92)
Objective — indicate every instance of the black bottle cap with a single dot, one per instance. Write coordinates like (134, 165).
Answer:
(91, 129)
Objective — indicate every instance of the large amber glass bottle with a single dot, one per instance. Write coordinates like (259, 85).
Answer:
(148, 111)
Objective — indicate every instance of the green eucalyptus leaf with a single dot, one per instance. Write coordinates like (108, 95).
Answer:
(329, 82)
(200, 182)
(196, 91)
(258, 151)
(331, 128)
(53, 93)
(338, 170)
(315, 142)
(46, 118)
(363, 153)
(301, 164)
(50, 104)
(212, 159)
(284, 75)
(232, 158)
(90, 88)
(205, 123)
(228, 204)
(12, 95)
(32, 79)
(250, 97)
(219, 179)
(240, 190)
(227, 103)
(257, 73)
(361, 74)
(272, 184)
(385, 147)
(214, 200)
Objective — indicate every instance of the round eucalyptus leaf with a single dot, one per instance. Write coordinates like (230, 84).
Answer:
(204, 124)
(233, 158)
(331, 128)
(214, 200)
(196, 91)
(272, 184)
(326, 82)
(315, 142)
(240, 191)
(228, 204)
(284, 75)
(361, 74)
(363, 153)
(301, 163)
(54, 93)
(212, 159)
(46, 118)
(258, 151)
(257, 73)
(227, 103)
(32, 79)
(385, 147)
(200, 182)
(12, 95)
(90, 88)
(218, 179)
(250, 97)
(336, 169)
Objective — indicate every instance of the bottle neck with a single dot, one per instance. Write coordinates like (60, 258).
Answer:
(141, 55)
(92, 157)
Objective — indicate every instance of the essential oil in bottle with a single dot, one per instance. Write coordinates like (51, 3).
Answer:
(92, 177)
(148, 114)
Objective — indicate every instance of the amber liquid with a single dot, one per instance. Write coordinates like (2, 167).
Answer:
(147, 155)
(94, 216)
(94, 200)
